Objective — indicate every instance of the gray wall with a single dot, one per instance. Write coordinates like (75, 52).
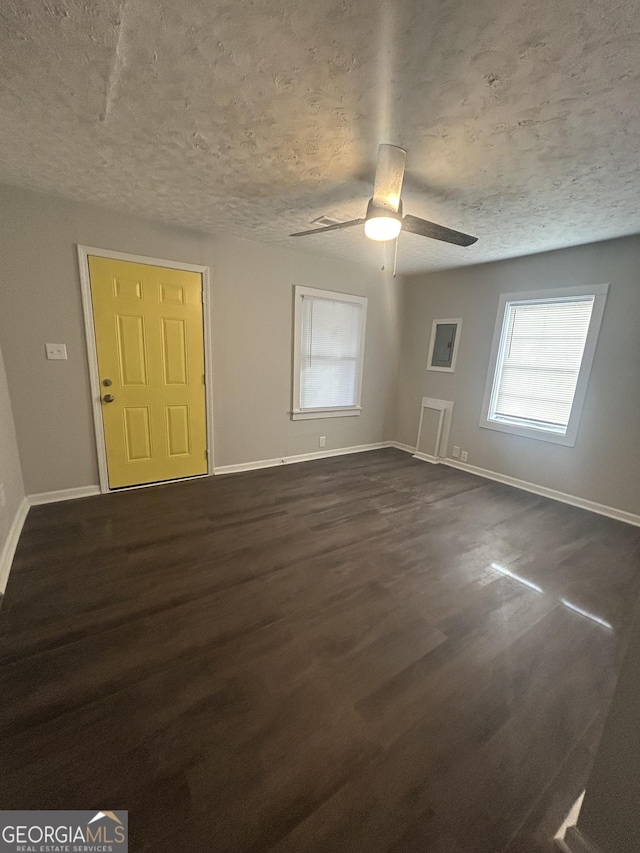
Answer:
(251, 320)
(605, 463)
(10, 473)
(251, 324)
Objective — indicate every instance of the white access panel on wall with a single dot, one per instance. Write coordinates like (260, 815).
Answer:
(445, 408)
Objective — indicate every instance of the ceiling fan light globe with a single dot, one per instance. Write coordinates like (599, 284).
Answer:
(382, 228)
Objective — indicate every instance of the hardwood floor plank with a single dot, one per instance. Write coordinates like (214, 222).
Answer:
(357, 653)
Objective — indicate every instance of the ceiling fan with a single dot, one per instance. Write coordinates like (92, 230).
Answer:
(384, 220)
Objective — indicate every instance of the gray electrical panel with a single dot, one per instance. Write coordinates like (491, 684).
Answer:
(444, 343)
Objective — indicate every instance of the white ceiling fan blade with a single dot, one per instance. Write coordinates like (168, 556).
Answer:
(389, 177)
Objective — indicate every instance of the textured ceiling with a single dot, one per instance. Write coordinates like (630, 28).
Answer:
(253, 117)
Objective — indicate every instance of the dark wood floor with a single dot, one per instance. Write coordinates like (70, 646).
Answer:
(317, 657)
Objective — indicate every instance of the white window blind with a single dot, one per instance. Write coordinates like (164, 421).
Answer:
(537, 371)
(330, 352)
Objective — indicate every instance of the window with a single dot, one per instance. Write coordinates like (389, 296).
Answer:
(543, 348)
(328, 353)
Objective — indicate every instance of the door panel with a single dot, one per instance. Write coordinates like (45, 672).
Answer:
(172, 294)
(174, 351)
(137, 429)
(149, 337)
(127, 288)
(178, 430)
(132, 350)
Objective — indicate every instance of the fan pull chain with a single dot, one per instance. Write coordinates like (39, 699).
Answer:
(395, 256)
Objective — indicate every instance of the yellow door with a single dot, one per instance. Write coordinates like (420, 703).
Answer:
(149, 337)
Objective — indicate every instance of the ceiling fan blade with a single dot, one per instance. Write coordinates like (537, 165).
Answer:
(389, 176)
(424, 228)
(335, 227)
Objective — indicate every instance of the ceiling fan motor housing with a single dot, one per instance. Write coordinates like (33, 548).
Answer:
(382, 223)
(384, 219)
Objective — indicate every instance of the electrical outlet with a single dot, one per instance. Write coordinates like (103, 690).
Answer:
(455, 452)
(464, 456)
(323, 440)
(3, 500)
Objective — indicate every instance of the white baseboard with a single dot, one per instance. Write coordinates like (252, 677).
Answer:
(427, 457)
(300, 457)
(570, 820)
(63, 495)
(543, 491)
(424, 457)
(399, 446)
(11, 543)
(575, 842)
(569, 838)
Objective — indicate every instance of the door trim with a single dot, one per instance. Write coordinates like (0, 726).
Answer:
(92, 354)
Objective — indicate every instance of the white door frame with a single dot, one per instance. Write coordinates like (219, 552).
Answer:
(92, 354)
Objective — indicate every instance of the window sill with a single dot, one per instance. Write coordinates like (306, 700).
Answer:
(309, 414)
(568, 439)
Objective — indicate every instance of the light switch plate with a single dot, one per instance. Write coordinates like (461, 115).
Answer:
(56, 351)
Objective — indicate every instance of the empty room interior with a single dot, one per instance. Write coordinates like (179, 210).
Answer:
(320, 542)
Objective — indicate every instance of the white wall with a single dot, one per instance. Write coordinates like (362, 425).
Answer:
(251, 320)
(10, 474)
(604, 465)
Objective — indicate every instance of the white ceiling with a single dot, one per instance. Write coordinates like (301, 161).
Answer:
(253, 117)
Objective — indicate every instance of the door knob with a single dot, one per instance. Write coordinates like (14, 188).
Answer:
(108, 398)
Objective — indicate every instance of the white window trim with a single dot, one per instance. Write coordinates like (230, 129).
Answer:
(298, 413)
(599, 292)
(457, 322)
